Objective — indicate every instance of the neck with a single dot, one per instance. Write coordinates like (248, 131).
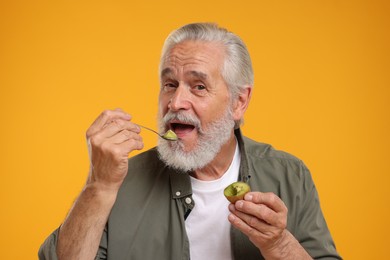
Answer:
(217, 167)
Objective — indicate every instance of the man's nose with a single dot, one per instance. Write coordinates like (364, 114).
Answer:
(180, 99)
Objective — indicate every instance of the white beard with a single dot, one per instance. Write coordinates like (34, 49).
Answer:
(208, 145)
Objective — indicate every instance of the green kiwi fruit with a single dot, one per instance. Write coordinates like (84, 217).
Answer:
(236, 191)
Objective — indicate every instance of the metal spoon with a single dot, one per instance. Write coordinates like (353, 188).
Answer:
(169, 135)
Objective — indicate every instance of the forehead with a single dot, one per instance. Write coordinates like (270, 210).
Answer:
(195, 56)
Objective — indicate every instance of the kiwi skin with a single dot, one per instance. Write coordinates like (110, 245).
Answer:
(236, 191)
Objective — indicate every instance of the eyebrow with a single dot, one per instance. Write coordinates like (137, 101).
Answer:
(165, 72)
(198, 74)
(194, 73)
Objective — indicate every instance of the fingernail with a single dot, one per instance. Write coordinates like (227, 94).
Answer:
(231, 217)
(249, 197)
(231, 207)
(239, 204)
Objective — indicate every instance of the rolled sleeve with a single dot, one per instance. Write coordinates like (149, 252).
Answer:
(47, 251)
(313, 232)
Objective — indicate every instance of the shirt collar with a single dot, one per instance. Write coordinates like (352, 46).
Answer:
(244, 166)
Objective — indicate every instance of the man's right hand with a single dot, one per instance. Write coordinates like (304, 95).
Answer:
(110, 140)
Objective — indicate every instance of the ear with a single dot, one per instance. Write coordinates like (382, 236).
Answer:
(241, 103)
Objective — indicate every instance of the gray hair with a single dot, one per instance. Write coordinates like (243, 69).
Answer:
(237, 70)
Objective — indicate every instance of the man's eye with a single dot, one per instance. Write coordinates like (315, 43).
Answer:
(200, 87)
(169, 86)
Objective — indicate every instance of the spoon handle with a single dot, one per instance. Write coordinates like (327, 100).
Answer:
(147, 128)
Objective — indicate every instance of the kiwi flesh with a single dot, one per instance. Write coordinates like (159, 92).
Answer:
(170, 135)
(236, 191)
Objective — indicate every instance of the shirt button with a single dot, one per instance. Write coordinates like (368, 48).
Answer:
(188, 200)
(178, 193)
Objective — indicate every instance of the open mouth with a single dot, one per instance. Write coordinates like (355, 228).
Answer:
(180, 128)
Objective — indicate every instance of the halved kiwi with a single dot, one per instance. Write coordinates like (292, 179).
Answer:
(236, 191)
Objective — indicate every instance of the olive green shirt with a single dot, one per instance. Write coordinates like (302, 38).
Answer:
(148, 218)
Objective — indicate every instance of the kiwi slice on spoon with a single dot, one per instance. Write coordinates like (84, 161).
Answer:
(170, 135)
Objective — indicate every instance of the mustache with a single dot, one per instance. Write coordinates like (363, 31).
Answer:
(183, 118)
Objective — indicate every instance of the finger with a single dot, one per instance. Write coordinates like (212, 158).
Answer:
(133, 144)
(106, 117)
(124, 136)
(250, 220)
(126, 147)
(269, 199)
(121, 149)
(109, 115)
(244, 227)
(117, 126)
(263, 212)
(254, 213)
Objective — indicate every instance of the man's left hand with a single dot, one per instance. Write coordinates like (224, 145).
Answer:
(263, 218)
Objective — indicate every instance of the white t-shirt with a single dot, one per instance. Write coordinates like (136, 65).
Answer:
(207, 226)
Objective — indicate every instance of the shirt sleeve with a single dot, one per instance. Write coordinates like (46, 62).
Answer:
(47, 251)
(313, 232)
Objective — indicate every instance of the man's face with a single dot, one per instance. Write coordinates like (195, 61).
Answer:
(191, 83)
(194, 98)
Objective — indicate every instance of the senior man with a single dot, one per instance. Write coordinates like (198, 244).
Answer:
(168, 202)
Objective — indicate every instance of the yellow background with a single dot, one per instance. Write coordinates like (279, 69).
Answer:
(321, 93)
